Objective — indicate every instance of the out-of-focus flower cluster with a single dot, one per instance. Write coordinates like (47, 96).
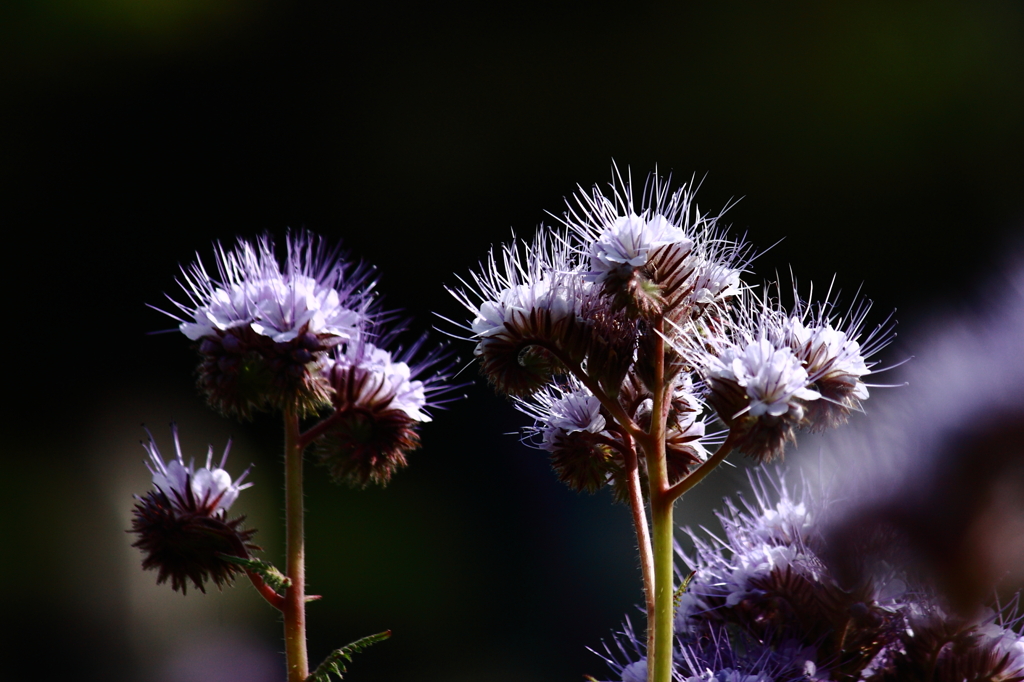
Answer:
(576, 325)
(308, 333)
(763, 606)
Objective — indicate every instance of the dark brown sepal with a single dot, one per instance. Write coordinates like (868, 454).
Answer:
(521, 359)
(762, 438)
(242, 372)
(184, 541)
(581, 461)
(365, 446)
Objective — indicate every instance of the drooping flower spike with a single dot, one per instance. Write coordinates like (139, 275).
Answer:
(380, 398)
(182, 523)
(263, 326)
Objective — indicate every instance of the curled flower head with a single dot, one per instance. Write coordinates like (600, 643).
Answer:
(950, 647)
(764, 604)
(263, 326)
(528, 310)
(182, 523)
(575, 412)
(835, 352)
(570, 425)
(626, 245)
(770, 372)
(759, 391)
(380, 398)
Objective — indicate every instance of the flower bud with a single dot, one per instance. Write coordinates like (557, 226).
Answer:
(183, 526)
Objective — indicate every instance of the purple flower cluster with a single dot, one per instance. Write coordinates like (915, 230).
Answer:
(763, 606)
(304, 335)
(182, 523)
(308, 333)
(576, 324)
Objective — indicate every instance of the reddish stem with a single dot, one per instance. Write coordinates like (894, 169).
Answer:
(266, 591)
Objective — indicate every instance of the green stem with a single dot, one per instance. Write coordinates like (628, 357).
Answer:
(664, 607)
(295, 596)
(659, 623)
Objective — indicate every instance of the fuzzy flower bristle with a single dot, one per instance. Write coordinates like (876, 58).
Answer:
(263, 325)
(660, 256)
(182, 524)
(836, 353)
(771, 372)
(759, 390)
(527, 306)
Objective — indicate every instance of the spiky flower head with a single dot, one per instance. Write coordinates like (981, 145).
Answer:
(661, 256)
(570, 425)
(527, 304)
(836, 353)
(182, 523)
(759, 391)
(937, 646)
(263, 326)
(380, 398)
(771, 372)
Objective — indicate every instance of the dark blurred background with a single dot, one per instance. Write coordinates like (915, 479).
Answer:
(883, 141)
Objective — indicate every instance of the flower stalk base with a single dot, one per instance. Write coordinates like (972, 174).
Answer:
(295, 597)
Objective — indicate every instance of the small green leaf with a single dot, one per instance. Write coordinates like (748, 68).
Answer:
(277, 580)
(334, 663)
(678, 594)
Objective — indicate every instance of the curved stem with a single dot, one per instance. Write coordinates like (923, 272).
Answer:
(266, 591)
(643, 534)
(295, 596)
(698, 474)
(636, 499)
(306, 439)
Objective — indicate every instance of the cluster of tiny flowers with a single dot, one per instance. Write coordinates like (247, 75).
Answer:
(771, 372)
(308, 333)
(264, 327)
(593, 303)
(762, 605)
(570, 426)
(182, 523)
